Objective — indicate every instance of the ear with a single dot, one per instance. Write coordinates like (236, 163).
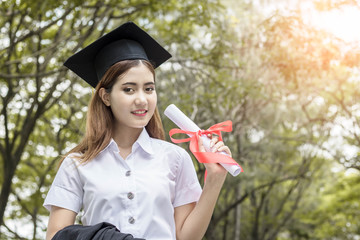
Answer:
(105, 97)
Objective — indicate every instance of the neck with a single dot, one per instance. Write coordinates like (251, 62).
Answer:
(125, 138)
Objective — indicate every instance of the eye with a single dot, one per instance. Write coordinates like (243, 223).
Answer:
(150, 89)
(128, 90)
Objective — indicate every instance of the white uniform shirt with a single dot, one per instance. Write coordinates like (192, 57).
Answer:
(138, 195)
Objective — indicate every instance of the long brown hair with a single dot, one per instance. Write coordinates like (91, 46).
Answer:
(99, 122)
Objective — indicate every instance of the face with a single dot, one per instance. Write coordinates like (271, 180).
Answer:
(132, 98)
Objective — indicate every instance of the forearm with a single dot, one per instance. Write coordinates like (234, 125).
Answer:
(197, 222)
(59, 218)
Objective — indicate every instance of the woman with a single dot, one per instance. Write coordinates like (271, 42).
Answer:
(123, 172)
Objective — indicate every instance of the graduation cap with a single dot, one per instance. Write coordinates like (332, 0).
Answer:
(126, 42)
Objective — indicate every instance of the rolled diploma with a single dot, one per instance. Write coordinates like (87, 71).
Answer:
(185, 123)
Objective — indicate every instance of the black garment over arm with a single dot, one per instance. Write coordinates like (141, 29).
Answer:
(100, 231)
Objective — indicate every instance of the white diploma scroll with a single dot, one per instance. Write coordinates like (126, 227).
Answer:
(185, 123)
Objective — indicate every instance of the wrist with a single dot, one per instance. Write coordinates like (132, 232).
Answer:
(216, 179)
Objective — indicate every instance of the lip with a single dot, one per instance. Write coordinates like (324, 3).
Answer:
(140, 112)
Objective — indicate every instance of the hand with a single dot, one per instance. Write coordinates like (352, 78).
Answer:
(218, 146)
(215, 169)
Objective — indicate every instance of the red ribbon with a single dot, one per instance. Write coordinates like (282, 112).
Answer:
(206, 157)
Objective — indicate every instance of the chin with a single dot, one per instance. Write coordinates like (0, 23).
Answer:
(139, 126)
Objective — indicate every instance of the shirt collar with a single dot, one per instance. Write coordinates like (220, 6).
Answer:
(144, 141)
(112, 146)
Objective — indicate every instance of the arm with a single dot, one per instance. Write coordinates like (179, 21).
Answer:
(59, 218)
(192, 220)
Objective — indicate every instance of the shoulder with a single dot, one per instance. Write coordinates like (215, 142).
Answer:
(71, 161)
(167, 147)
(174, 157)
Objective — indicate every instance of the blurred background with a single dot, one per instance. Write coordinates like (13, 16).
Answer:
(285, 72)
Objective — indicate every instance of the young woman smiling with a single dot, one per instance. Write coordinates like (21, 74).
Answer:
(123, 172)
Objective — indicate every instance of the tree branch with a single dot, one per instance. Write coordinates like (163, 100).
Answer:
(14, 233)
(248, 192)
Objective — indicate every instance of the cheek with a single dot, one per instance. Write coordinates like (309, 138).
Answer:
(118, 104)
(154, 100)
(118, 99)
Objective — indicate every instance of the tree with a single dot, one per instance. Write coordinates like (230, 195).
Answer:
(39, 118)
(282, 85)
(279, 85)
(336, 214)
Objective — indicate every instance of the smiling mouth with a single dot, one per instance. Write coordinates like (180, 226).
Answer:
(139, 112)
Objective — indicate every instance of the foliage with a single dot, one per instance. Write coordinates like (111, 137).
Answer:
(287, 87)
(337, 215)
(43, 106)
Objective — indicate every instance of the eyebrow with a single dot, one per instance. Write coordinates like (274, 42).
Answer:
(134, 84)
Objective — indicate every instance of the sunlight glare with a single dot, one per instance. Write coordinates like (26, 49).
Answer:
(343, 23)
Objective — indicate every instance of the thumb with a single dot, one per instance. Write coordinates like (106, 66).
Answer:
(200, 142)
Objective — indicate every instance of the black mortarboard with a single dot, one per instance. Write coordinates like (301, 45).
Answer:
(124, 43)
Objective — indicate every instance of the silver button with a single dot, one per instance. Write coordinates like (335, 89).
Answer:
(131, 220)
(128, 173)
(130, 195)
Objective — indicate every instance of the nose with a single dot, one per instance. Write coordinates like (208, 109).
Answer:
(140, 99)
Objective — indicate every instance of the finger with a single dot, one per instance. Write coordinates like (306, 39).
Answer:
(214, 140)
(217, 146)
(225, 149)
(201, 145)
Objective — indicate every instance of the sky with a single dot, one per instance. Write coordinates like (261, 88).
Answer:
(342, 22)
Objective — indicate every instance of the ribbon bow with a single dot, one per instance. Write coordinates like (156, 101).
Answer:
(206, 157)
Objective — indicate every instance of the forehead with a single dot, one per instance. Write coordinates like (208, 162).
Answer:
(137, 74)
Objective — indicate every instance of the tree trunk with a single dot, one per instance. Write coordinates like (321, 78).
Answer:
(5, 190)
(238, 214)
